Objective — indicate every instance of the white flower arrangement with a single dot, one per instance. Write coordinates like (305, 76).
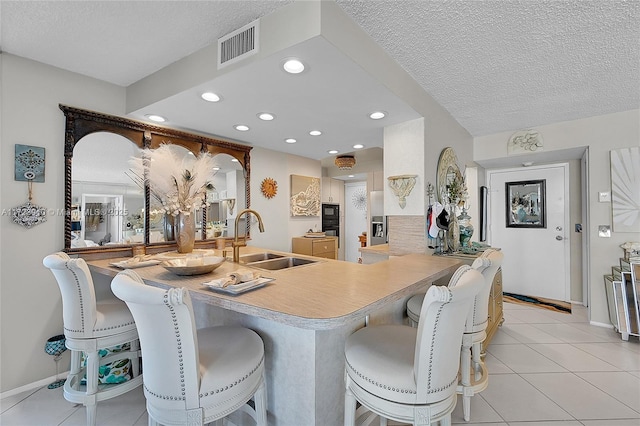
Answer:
(179, 184)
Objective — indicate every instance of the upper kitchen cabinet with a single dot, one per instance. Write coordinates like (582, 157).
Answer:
(378, 181)
(332, 190)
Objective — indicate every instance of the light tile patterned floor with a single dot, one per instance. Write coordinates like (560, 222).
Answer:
(546, 369)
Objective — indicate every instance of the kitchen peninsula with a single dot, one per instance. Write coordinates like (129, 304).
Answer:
(304, 317)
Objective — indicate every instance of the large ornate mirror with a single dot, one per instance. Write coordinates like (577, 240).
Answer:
(109, 211)
(448, 170)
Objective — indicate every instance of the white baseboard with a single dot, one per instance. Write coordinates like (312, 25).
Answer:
(35, 385)
(600, 324)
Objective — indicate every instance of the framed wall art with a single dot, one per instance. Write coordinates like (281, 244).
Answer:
(625, 189)
(305, 196)
(525, 204)
(29, 165)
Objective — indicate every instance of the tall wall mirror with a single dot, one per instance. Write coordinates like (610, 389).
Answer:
(110, 211)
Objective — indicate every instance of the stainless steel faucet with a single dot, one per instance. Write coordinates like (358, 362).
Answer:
(236, 242)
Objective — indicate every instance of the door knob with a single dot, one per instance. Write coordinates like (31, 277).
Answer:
(559, 237)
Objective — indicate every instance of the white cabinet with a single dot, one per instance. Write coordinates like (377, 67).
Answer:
(332, 190)
(378, 181)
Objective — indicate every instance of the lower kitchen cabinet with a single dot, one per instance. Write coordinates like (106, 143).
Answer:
(320, 247)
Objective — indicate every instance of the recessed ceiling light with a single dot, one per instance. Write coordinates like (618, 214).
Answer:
(241, 127)
(315, 133)
(293, 66)
(358, 146)
(377, 115)
(210, 97)
(234, 160)
(290, 140)
(216, 168)
(156, 118)
(351, 176)
(333, 151)
(266, 116)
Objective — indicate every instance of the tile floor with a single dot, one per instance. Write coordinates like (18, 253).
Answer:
(546, 369)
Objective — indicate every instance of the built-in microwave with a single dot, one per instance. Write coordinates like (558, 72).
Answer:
(330, 211)
(331, 220)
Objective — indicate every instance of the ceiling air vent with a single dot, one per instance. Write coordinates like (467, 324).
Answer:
(239, 44)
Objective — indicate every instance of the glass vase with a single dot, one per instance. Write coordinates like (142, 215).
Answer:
(185, 232)
(466, 228)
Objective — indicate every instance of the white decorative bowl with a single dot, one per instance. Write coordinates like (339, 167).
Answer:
(186, 266)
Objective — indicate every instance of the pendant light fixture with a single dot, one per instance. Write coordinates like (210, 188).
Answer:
(345, 162)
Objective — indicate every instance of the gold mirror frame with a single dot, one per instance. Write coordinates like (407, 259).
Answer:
(447, 161)
(80, 123)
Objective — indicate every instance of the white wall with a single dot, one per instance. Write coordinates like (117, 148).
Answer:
(30, 304)
(279, 226)
(404, 152)
(600, 134)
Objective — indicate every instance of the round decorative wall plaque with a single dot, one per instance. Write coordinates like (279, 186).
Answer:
(269, 187)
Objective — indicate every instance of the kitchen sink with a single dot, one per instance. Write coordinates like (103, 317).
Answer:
(282, 263)
(256, 257)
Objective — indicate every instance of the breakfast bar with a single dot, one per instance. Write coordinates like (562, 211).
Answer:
(304, 316)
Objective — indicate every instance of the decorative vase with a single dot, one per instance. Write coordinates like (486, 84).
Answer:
(185, 232)
(466, 228)
(453, 234)
(168, 224)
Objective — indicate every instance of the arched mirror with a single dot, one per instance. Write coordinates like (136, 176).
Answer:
(110, 209)
(107, 207)
(227, 199)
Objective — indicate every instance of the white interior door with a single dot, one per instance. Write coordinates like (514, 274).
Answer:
(536, 260)
(355, 218)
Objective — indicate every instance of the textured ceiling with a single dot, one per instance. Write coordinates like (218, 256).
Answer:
(494, 65)
(505, 65)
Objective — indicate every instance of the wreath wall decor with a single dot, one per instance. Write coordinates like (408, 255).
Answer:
(269, 187)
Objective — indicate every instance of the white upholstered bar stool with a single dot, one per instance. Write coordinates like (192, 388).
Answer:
(474, 335)
(90, 325)
(476, 379)
(192, 376)
(406, 374)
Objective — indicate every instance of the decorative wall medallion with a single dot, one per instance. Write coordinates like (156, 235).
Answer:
(525, 141)
(269, 187)
(29, 215)
(359, 199)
